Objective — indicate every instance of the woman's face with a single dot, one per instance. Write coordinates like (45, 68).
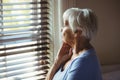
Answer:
(67, 35)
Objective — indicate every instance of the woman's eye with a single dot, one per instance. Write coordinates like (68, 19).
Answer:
(61, 29)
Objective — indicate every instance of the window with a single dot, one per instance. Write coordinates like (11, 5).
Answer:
(24, 39)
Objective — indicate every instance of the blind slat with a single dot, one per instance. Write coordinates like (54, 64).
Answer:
(28, 19)
(23, 25)
(24, 67)
(29, 45)
(21, 74)
(27, 76)
(19, 33)
(32, 8)
(34, 62)
(24, 51)
(14, 57)
(23, 3)
(17, 40)
(27, 14)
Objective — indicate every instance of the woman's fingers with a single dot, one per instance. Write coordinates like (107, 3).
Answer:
(66, 57)
(64, 49)
(70, 52)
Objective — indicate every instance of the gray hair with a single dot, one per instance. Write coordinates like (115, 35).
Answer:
(83, 19)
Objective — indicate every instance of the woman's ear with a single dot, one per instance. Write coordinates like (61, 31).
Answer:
(78, 33)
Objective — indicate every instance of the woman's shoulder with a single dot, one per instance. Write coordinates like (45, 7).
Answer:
(85, 56)
(84, 60)
(84, 65)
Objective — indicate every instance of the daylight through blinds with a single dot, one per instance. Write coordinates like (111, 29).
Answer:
(24, 39)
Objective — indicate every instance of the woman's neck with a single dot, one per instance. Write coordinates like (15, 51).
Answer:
(81, 44)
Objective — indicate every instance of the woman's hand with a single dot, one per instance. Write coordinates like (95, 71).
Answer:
(64, 53)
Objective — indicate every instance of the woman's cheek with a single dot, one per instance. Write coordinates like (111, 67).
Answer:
(67, 36)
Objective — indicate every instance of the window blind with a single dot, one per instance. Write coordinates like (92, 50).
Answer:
(24, 39)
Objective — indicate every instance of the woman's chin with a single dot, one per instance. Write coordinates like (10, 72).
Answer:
(68, 43)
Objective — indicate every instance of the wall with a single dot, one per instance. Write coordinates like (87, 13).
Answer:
(107, 41)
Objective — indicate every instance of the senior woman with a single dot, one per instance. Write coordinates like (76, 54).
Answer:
(76, 59)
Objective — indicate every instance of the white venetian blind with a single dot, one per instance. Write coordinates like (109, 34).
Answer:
(24, 39)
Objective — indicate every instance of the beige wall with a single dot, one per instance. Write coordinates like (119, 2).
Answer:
(107, 41)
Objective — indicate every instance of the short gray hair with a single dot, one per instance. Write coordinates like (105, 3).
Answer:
(83, 19)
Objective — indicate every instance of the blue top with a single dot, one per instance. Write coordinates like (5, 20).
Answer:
(85, 67)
